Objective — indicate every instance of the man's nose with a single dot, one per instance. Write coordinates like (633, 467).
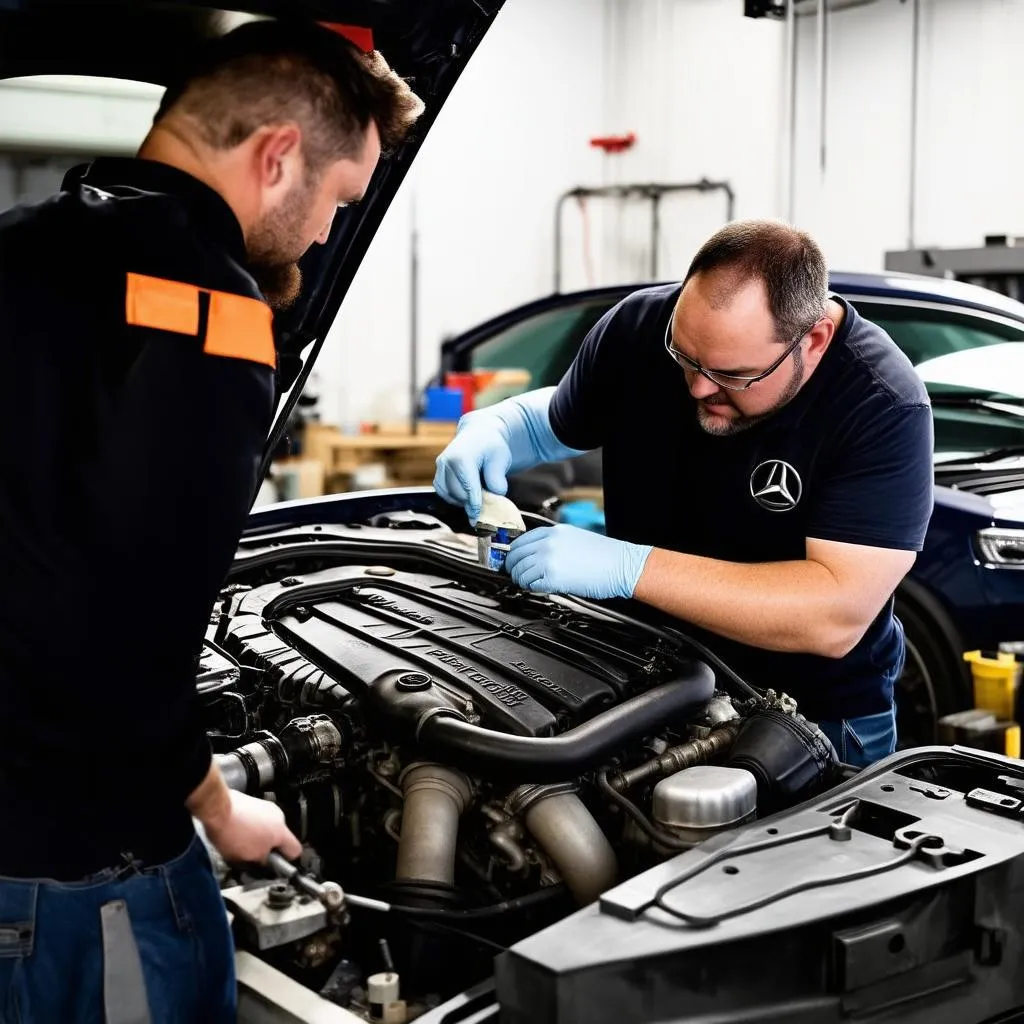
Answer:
(325, 233)
(700, 387)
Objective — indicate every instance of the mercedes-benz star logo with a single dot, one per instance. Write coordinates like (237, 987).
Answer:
(776, 486)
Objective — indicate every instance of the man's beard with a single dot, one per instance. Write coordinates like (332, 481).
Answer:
(740, 423)
(281, 283)
(273, 246)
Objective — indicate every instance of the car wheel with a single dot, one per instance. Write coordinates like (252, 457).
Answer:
(935, 680)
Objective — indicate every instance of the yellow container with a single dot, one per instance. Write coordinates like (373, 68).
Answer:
(1013, 742)
(995, 682)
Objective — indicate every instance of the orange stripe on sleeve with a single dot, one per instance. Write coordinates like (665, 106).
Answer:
(162, 304)
(240, 328)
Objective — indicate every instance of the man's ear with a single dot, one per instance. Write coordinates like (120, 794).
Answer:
(278, 155)
(820, 335)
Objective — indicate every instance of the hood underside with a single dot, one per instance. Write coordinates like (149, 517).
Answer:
(428, 42)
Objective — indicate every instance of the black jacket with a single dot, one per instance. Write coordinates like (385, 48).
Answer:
(139, 367)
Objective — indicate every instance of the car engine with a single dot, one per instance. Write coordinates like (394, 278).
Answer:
(474, 761)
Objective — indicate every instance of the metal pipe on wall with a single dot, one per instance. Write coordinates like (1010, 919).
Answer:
(414, 321)
(655, 233)
(791, 104)
(652, 192)
(915, 60)
(822, 79)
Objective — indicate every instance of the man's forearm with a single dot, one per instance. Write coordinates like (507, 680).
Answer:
(778, 606)
(531, 438)
(210, 801)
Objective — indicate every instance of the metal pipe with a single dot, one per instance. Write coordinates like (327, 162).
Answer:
(822, 78)
(435, 798)
(414, 322)
(834, 6)
(655, 233)
(512, 853)
(675, 759)
(653, 191)
(303, 743)
(915, 58)
(558, 238)
(569, 835)
(791, 50)
(235, 775)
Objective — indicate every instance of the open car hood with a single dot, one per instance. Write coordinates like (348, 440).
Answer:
(428, 42)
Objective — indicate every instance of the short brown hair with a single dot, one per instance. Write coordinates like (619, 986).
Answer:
(270, 72)
(789, 262)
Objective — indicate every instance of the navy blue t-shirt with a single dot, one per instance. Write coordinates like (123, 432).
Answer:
(848, 459)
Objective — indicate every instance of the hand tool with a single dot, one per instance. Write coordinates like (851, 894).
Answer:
(330, 894)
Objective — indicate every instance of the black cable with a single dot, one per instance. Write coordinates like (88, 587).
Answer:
(715, 660)
(816, 883)
(527, 902)
(728, 852)
(445, 929)
(532, 899)
(649, 828)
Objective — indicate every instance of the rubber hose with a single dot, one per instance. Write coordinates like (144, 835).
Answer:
(555, 758)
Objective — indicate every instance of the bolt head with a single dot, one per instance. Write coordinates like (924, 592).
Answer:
(334, 896)
(280, 896)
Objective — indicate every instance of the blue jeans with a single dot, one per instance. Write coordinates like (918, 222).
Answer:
(862, 741)
(134, 946)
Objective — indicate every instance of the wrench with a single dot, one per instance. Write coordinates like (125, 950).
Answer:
(330, 894)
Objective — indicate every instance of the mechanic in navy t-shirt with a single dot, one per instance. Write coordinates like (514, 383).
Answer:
(767, 473)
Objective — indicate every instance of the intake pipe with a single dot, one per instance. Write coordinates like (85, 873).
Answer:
(438, 726)
(435, 798)
(567, 832)
(304, 744)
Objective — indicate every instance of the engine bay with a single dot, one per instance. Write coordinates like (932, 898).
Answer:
(472, 762)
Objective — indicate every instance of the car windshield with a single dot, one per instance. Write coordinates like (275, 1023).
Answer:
(973, 367)
(971, 363)
(995, 370)
(544, 345)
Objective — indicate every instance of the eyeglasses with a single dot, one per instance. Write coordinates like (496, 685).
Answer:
(730, 381)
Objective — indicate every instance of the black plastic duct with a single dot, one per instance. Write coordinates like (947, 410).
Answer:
(791, 758)
(442, 731)
(304, 744)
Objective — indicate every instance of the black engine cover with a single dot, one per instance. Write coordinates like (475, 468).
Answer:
(530, 665)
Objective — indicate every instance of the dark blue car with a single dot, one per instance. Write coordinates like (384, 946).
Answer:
(966, 590)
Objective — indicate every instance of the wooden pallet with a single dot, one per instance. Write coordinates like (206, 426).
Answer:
(390, 456)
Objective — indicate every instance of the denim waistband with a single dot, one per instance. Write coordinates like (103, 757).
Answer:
(128, 867)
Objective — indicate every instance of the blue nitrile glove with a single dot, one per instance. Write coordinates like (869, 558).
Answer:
(507, 437)
(568, 560)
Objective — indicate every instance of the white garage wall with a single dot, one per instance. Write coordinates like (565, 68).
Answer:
(970, 149)
(512, 137)
(704, 88)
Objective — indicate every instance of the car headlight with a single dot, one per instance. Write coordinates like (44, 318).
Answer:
(1001, 547)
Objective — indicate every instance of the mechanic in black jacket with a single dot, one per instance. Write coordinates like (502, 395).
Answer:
(768, 474)
(136, 333)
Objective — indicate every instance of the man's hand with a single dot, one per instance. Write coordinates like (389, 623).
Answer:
(243, 828)
(478, 449)
(250, 830)
(568, 560)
